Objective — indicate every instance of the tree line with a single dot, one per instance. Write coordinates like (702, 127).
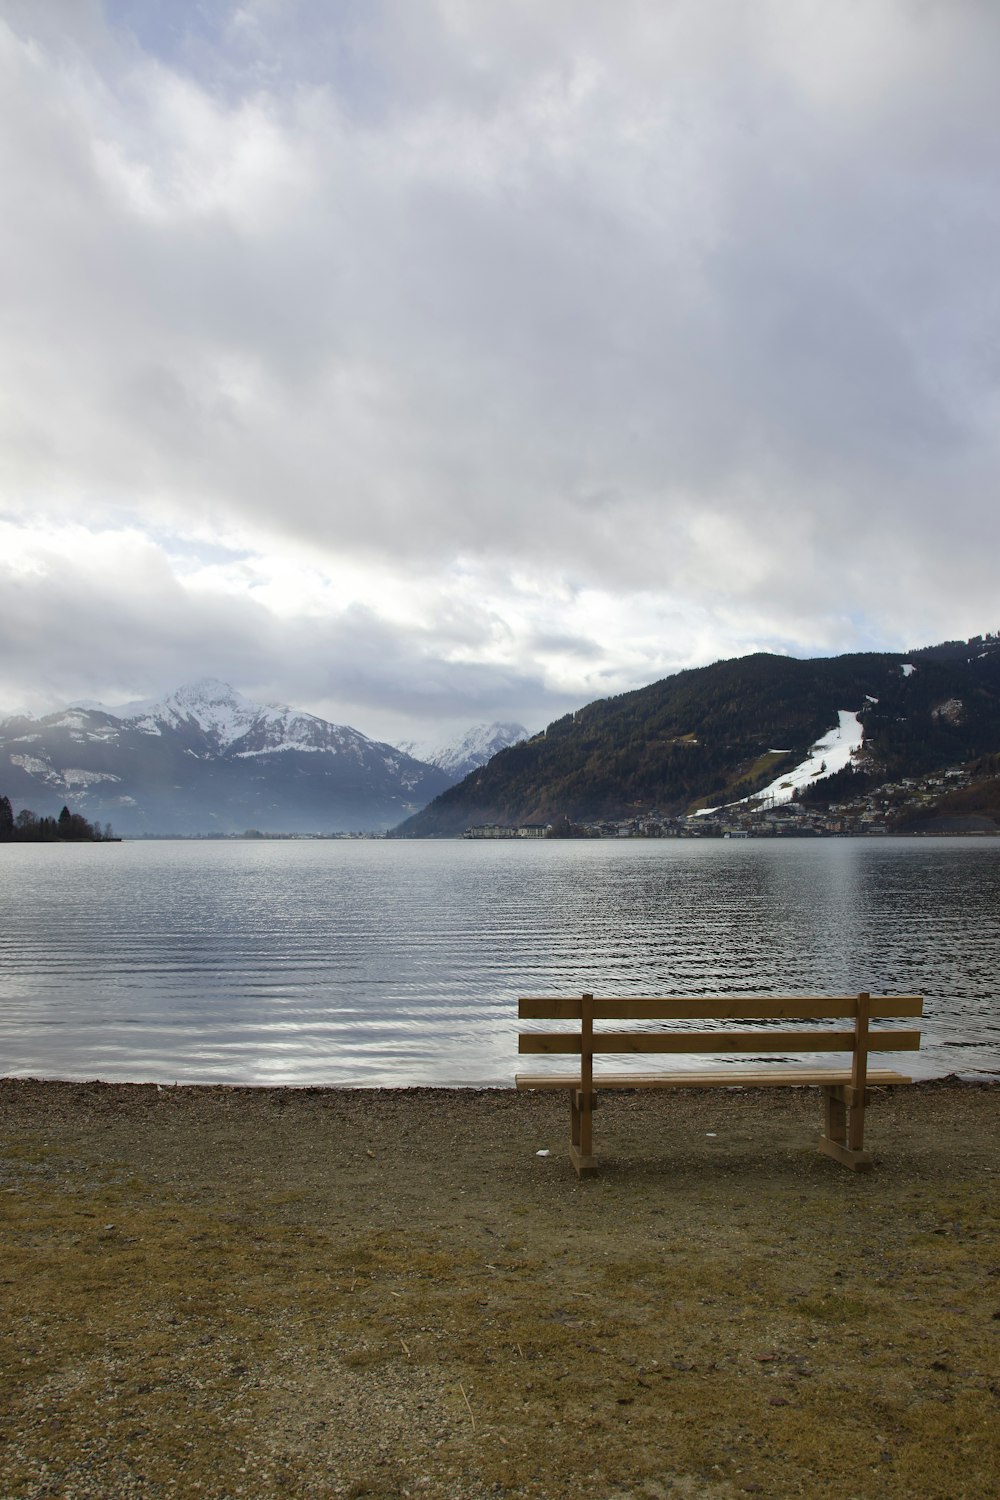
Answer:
(27, 827)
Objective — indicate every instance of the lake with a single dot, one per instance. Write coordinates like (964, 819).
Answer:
(391, 963)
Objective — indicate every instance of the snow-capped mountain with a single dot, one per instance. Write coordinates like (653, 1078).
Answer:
(205, 759)
(458, 757)
(211, 706)
(233, 725)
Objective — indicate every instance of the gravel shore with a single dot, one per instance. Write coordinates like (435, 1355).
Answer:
(266, 1292)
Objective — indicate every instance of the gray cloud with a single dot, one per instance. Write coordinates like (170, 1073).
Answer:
(690, 308)
(73, 631)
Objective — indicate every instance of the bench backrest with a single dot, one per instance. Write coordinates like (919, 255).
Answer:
(859, 1040)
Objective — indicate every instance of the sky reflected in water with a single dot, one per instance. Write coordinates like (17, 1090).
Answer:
(400, 963)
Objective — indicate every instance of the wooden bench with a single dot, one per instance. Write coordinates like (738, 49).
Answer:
(845, 1089)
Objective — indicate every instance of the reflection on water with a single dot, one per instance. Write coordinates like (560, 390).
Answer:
(373, 962)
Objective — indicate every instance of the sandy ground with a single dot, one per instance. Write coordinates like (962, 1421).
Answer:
(307, 1292)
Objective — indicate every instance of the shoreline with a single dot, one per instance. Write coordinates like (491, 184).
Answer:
(294, 1290)
(979, 1079)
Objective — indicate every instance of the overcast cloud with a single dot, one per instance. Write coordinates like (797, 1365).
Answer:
(421, 362)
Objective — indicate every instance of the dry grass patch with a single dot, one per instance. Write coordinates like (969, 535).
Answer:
(217, 1295)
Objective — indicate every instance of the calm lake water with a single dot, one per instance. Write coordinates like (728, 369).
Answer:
(400, 963)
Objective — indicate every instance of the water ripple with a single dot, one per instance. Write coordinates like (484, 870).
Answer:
(401, 963)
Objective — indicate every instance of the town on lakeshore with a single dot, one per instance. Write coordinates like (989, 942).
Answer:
(888, 809)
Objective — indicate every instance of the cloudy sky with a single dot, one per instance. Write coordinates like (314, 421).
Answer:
(425, 362)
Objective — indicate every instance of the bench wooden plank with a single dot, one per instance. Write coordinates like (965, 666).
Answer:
(721, 1008)
(568, 1042)
(717, 1078)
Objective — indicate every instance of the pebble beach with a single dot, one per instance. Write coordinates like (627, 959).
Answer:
(232, 1292)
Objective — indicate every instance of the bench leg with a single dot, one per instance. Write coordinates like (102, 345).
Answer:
(844, 1127)
(581, 1133)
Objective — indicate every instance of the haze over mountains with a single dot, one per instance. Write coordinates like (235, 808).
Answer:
(207, 760)
(471, 751)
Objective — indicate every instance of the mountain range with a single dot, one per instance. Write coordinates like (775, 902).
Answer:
(207, 760)
(714, 735)
(467, 754)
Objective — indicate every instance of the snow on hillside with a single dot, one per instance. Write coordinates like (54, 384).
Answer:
(458, 757)
(206, 758)
(237, 725)
(831, 753)
(214, 706)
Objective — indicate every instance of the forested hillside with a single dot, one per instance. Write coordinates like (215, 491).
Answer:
(718, 733)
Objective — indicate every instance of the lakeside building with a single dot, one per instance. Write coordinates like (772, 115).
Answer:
(873, 813)
(507, 831)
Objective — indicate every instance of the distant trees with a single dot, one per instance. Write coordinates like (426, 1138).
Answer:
(27, 828)
(75, 826)
(845, 785)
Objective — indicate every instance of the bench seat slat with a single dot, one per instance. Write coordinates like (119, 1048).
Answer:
(717, 1078)
(568, 1042)
(721, 1008)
